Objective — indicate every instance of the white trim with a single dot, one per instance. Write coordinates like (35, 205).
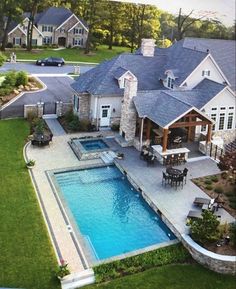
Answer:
(187, 111)
(128, 71)
(208, 56)
(26, 18)
(18, 26)
(78, 21)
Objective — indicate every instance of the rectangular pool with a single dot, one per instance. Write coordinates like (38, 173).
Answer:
(110, 214)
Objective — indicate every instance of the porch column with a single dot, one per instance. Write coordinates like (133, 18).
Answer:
(148, 129)
(189, 130)
(209, 130)
(141, 133)
(165, 138)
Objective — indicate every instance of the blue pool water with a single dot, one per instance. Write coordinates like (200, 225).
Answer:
(93, 145)
(109, 212)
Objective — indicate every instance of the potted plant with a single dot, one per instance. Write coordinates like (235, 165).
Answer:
(30, 164)
(120, 156)
(62, 270)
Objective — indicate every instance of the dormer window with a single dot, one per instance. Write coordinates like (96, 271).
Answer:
(206, 72)
(170, 82)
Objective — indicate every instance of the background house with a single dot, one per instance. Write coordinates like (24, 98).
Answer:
(53, 26)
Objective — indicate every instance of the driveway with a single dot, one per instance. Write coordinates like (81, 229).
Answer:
(35, 69)
(58, 89)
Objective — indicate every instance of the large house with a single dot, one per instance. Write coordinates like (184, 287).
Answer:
(157, 92)
(53, 26)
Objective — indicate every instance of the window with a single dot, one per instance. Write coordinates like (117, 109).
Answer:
(222, 108)
(17, 41)
(62, 30)
(76, 103)
(170, 83)
(76, 41)
(213, 117)
(46, 28)
(203, 128)
(230, 120)
(221, 121)
(47, 40)
(206, 72)
(50, 28)
(214, 108)
(34, 41)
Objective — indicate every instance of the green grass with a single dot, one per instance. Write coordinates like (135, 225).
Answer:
(172, 277)
(101, 54)
(26, 255)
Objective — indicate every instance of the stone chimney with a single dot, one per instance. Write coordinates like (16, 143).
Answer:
(148, 47)
(128, 111)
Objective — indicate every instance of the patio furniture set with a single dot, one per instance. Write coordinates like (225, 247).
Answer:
(147, 155)
(174, 159)
(41, 139)
(174, 177)
(212, 205)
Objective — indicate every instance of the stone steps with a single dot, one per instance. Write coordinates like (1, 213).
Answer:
(77, 280)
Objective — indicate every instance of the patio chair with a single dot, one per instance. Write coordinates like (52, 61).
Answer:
(194, 215)
(185, 172)
(165, 178)
(151, 159)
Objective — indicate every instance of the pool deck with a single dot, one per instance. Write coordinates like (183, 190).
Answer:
(174, 204)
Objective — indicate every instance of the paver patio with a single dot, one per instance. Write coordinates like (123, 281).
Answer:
(174, 204)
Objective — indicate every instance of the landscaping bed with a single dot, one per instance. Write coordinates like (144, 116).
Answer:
(220, 184)
(13, 83)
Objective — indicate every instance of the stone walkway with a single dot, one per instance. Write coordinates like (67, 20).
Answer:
(55, 127)
(174, 204)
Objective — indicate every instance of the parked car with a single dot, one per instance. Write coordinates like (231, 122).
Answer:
(50, 61)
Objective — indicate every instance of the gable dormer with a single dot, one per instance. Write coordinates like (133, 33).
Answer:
(169, 79)
(121, 74)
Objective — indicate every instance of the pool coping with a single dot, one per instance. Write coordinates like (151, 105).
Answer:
(71, 223)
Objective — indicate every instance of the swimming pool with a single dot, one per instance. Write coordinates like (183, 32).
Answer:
(110, 214)
(92, 145)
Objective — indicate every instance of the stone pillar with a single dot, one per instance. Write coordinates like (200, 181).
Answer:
(148, 47)
(128, 111)
(165, 139)
(59, 105)
(209, 130)
(40, 109)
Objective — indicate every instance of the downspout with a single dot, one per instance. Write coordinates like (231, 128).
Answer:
(97, 118)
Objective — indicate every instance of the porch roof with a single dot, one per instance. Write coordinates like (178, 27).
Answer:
(162, 108)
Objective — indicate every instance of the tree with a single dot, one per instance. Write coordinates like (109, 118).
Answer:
(205, 229)
(2, 59)
(10, 10)
(184, 22)
(33, 12)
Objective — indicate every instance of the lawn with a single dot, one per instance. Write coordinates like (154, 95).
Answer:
(27, 258)
(71, 54)
(185, 276)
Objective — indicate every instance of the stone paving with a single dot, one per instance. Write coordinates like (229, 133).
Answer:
(55, 126)
(174, 204)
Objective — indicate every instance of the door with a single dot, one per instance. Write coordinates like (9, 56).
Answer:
(105, 115)
(62, 41)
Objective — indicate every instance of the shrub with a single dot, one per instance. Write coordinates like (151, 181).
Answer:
(5, 91)
(23, 45)
(172, 254)
(69, 116)
(39, 126)
(115, 127)
(224, 175)
(10, 80)
(219, 190)
(9, 45)
(21, 78)
(63, 270)
(205, 229)
(208, 182)
(209, 187)
(83, 125)
(214, 179)
(2, 59)
(74, 124)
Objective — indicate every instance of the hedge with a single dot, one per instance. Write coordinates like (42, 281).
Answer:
(172, 254)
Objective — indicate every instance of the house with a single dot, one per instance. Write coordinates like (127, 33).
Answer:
(158, 92)
(53, 26)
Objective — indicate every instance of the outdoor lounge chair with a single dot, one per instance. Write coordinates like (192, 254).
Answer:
(201, 201)
(198, 214)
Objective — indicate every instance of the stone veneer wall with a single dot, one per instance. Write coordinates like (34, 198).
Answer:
(84, 106)
(219, 263)
(128, 111)
(17, 33)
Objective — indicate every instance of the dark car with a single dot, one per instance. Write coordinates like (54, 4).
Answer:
(50, 61)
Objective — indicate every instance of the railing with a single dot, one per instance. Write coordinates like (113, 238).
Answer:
(215, 151)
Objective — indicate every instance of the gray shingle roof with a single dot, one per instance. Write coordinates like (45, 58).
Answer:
(163, 107)
(223, 52)
(54, 16)
(101, 80)
(159, 106)
(119, 72)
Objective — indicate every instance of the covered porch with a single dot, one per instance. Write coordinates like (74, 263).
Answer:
(177, 138)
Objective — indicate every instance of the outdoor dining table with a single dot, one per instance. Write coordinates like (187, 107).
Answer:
(173, 172)
(41, 139)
